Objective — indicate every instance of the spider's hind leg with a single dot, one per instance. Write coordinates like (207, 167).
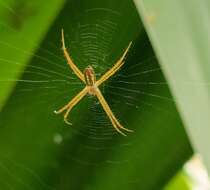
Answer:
(119, 125)
(116, 124)
(71, 104)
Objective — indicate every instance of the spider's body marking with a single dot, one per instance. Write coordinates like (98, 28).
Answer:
(90, 79)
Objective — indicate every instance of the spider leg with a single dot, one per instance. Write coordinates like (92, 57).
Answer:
(72, 103)
(115, 68)
(69, 60)
(109, 113)
(120, 126)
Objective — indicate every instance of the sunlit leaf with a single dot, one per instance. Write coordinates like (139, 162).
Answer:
(179, 32)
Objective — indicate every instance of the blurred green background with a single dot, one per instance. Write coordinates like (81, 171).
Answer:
(38, 150)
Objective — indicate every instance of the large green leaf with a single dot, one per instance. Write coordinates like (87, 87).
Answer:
(23, 25)
(39, 151)
(179, 31)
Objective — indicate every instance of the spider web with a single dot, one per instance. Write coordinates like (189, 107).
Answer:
(134, 87)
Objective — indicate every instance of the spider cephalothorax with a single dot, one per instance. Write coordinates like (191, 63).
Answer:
(91, 87)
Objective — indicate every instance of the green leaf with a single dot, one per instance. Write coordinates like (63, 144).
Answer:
(180, 181)
(179, 32)
(39, 151)
(23, 25)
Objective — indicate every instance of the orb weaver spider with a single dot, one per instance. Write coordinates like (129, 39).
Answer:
(89, 79)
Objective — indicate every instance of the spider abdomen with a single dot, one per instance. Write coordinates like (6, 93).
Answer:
(89, 74)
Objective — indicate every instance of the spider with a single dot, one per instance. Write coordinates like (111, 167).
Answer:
(89, 79)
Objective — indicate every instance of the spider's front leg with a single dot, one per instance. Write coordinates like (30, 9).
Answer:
(115, 68)
(69, 60)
